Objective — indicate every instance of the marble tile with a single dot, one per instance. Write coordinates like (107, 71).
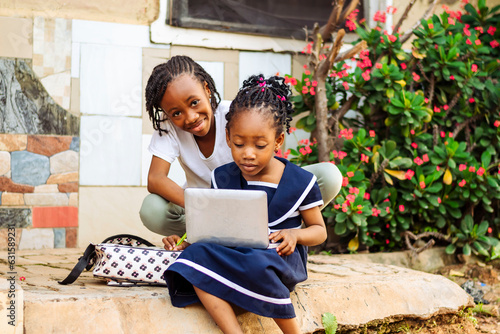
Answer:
(9, 142)
(48, 145)
(59, 238)
(110, 33)
(46, 199)
(4, 235)
(4, 162)
(216, 71)
(267, 63)
(12, 199)
(110, 151)
(106, 211)
(16, 37)
(16, 217)
(37, 238)
(26, 106)
(29, 168)
(75, 60)
(64, 162)
(110, 80)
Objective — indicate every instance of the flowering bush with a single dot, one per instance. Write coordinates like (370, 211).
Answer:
(423, 152)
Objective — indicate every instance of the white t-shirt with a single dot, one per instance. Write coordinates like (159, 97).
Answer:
(181, 145)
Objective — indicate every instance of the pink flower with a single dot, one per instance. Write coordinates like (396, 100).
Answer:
(418, 161)
(477, 41)
(412, 131)
(342, 155)
(353, 190)
(302, 151)
(372, 133)
(473, 68)
(346, 85)
(451, 21)
(401, 207)
(307, 72)
(422, 184)
(337, 206)
(312, 91)
(431, 26)
(497, 123)
(350, 174)
(375, 212)
(379, 17)
(468, 42)
(442, 134)
(364, 158)
(472, 169)
(314, 83)
(344, 207)
(378, 65)
(350, 25)
(462, 183)
(292, 129)
(491, 30)
(366, 196)
(439, 200)
(425, 157)
(490, 230)
(472, 100)
(403, 66)
(350, 198)
(305, 90)
(446, 107)
(346, 133)
(366, 75)
(392, 38)
(438, 168)
(387, 241)
(409, 174)
(345, 181)
(437, 110)
(452, 77)
(494, 44)
(462, 167)
(416, 77)
(426, 100)
(308, 149)
(480, 171)
(466, 31)
(414, 145)
(388, 210)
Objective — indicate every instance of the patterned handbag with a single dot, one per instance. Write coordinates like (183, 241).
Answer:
(125, 260)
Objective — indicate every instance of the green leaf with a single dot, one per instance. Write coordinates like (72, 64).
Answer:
(450, 249)
(341, 217)
(329, 323)
(466, 250)
(480, 249)
(486, 158)
(467, 224)
(340, 229)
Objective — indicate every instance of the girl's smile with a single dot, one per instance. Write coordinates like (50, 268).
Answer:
(186, 102)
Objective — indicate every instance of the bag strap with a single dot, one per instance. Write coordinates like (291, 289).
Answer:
(130, 237)
(85, 261)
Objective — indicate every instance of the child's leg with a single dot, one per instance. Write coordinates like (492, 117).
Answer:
(329, 180)
(162, 217)
(221, 311)
(288, 326)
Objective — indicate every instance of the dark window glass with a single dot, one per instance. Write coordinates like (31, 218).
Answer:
(283, 18)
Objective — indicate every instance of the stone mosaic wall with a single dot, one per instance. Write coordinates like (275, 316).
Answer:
(39, 159)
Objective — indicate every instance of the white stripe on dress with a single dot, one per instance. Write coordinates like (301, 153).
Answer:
(263, 184)
(217, 277)
(311, 205)
(296, 205)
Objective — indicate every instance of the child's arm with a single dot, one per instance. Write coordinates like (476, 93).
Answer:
(314, 233)
(159, 183)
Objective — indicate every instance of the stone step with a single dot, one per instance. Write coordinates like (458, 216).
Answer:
(356, 292)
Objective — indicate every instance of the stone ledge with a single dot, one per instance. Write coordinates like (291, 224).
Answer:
(357, 293)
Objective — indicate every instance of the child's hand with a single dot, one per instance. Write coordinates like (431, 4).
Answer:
(170, 243)
(288, 241)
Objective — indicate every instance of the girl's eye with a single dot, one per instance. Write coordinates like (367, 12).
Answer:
(195, 103)
(238, 145)
(261, 147)
(176, 113)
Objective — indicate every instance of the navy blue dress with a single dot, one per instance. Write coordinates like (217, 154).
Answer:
(257, 280)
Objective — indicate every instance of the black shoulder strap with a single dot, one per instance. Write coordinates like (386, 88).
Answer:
(85, 261)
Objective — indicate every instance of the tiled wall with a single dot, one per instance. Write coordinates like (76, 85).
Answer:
(95, 74)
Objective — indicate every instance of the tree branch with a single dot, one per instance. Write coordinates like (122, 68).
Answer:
(426, 15)
(462, 125)
(327, 30)
(352, 51)
(404, 16)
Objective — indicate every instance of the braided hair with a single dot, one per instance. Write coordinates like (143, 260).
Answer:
(264, 96)
(163, 75)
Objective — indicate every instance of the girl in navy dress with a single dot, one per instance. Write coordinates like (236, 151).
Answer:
(257, 280)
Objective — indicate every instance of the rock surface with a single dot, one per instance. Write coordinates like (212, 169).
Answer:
(356, 292)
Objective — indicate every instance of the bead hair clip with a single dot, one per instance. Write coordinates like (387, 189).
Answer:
(282, 98)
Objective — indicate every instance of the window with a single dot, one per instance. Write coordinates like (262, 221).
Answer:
(280, 18)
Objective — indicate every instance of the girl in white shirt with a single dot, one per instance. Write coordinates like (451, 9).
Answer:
(189, 121)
